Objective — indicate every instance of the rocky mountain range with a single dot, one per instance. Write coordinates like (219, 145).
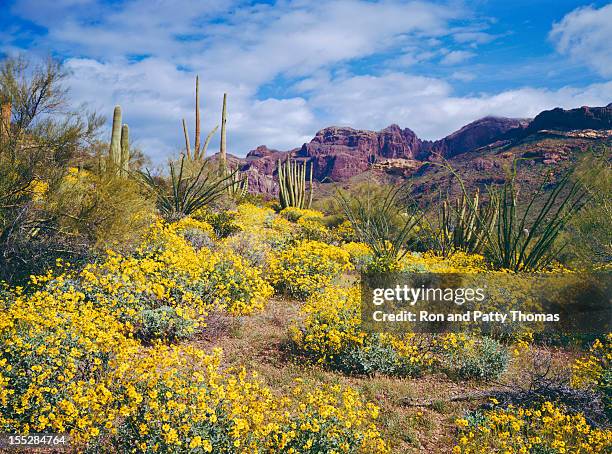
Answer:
(338, 154)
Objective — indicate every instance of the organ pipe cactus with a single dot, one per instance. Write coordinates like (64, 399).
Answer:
(292, 184)
(119, 152)
(238, 186)
(464, 224)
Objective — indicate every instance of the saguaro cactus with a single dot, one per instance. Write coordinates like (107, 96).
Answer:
(119, 152)
(125, 150)
(199, 151)
(292, 184)
(222, 144)
(197, 116)
(115, 144)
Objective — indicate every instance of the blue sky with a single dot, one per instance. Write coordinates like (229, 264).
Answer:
(293, 67)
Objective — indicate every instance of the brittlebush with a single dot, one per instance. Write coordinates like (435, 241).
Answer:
(68, 367)
(331, 333)
(546, 428)
(308, 267)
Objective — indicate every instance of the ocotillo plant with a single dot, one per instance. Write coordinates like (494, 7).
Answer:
(292, 184)
(528, 241)
(523, 236)
(222, 145)
(119, 152)
(199, 151)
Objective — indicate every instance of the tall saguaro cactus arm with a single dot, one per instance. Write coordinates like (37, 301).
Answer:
(187, 145)
(197, 118)
(125, 150)
(119, 151)
(222, 146)
(115, 145)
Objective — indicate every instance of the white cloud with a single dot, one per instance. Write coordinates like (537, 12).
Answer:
(585, 34)
(456, 56)
(429, 107)
(463, 76)
(154, 96)
(299, 51)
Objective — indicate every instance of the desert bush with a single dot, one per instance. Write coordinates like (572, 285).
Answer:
(167, 271)
(293, 214)
(594, 371)
(312, 229)
(378, 355)
(188, 190)
(237, 287)
(331, 334)
(342, 232)
(57, 351)
(543, 429)
(275, 231)
(101, 210)
(360, 254)
(223, 222)
(306, 268)
(43, 138)
(88, 378)
(380, 222)
(162, 323)
(250, 247)
(480, 358)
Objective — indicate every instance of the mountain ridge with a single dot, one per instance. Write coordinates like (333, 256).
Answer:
(339, 153)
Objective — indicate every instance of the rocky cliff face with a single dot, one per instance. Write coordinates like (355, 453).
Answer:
(339, 153)
(475, 135)
(581, 118)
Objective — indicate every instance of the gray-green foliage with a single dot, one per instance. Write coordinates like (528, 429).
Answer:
(163, 323)
(186, 191)
(375, 357)
(481, 358)
(293, 191)
(381, 222)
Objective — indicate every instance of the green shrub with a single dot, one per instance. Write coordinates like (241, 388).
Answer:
(163, 323)
(222, 222)
(375, 357)
(477, 358)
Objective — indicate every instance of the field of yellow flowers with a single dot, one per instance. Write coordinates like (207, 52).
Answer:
(240, 333)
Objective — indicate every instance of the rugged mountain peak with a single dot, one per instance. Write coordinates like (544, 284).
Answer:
(581, 118)
(338, 153)
(260, 152)
(476, 134)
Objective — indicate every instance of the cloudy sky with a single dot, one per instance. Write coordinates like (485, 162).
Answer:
(291, 68)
